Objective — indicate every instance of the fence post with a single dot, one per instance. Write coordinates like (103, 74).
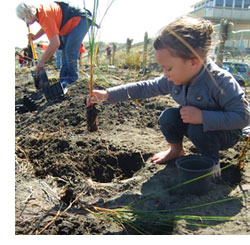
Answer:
(128, 45)
(113, 54)
(145, 50)
(223, 38)
(226, 32)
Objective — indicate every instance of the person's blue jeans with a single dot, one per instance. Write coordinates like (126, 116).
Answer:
(58, 59)
(207, 143)
(70, 52)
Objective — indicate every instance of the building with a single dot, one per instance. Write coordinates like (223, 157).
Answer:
(236, 11)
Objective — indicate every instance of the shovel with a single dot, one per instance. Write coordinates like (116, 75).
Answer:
(41, 79)
(35, 74)
(32, 46)
(54, 91)
(50, 91)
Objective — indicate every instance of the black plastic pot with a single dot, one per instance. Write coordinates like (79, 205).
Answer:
(194, 166)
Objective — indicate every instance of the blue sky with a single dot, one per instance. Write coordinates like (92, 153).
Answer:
(125, 19)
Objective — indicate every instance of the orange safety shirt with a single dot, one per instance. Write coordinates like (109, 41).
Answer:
(50, 18)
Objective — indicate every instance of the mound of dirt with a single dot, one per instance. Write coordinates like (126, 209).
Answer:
(65, 174)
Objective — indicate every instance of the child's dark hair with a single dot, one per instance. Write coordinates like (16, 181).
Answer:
(187, 37)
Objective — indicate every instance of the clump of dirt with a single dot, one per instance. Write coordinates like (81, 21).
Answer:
(63, 170)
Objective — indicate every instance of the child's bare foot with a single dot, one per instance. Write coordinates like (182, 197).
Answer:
(170, 154)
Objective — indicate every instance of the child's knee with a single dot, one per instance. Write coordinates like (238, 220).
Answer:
(195, 132)
(168, 116)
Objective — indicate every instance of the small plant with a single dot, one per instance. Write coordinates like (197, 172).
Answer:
(93, 51)
(159, 221)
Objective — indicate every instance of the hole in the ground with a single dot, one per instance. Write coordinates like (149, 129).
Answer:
(231, 175)
(105, 168)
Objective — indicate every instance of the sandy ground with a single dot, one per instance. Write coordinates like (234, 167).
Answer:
(65, 175)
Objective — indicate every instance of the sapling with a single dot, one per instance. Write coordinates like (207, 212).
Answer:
(93, 50)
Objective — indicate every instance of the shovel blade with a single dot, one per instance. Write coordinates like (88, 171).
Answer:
(54, 91)
(40, 79)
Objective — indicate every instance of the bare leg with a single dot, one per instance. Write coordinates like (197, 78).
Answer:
(175, 151)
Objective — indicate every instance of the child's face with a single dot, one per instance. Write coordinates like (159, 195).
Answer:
(176, 69)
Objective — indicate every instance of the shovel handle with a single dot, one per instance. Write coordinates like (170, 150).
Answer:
(32, 45)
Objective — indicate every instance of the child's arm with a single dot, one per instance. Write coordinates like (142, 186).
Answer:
(234, 112)
(136, 90)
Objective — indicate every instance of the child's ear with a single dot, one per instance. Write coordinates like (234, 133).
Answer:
(195, 63)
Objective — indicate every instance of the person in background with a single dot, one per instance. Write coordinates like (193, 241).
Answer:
(42, 46)
(109, 51)
(28, 55)
(213, 108)
(20, 58)
(65, 27)
(81, 52)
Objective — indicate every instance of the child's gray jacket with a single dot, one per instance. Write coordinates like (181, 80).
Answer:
(214, 91)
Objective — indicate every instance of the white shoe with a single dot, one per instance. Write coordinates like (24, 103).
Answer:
(64, 87)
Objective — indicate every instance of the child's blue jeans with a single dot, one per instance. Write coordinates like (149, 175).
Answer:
(72, 43)
(207, 143)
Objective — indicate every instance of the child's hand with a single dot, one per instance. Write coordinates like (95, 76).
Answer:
(97, 96)
(191, 114)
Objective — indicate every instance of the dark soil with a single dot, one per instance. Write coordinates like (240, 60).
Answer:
(63, 170)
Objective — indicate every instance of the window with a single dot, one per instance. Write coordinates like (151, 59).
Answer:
(247, 4)
(219, 2)
(229, 3)
(204, 4)
(209, 3)
(238, 3)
